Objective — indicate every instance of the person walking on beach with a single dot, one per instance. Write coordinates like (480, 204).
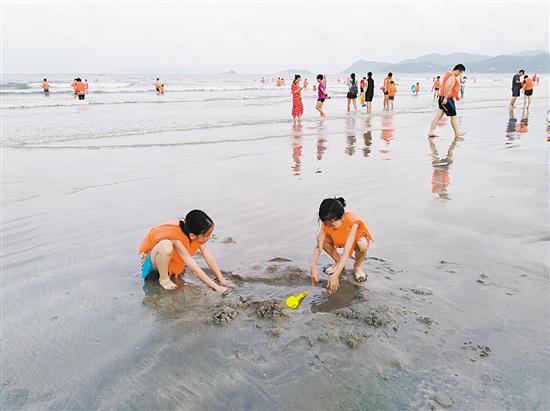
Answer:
(352, 91)
(46, 87)
(369, 92)
(528, 85)
(80, 89)
(517, 84)
(340, 229)
(169, 248)
(462, 86)
(321, 94)
(86, 85)
(384, 89)
(449, 92)
(436, 86)
(297, 105)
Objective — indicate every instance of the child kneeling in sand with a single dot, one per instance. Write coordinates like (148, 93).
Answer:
(340, 229)
(169, 248)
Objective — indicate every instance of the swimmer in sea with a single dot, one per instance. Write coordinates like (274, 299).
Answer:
(46, 87)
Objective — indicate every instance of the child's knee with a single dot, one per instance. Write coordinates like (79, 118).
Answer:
(165, 247)
(362, 245)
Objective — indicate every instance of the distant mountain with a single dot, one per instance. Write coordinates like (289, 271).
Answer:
(530, 52)
(539, 63)
(447, 59)
(533, 61)
(362, 67)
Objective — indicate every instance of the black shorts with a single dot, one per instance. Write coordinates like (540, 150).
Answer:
(46, 90)
(528, 92)
(515, 92)
(391, 97)
(322, 100)
(449, 109)
(81, 96)
(158, 90)
(352, 95)
(385, 93)
(436, 90)
(369, 96)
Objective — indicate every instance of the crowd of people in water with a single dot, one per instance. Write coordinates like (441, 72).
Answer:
(168, 248)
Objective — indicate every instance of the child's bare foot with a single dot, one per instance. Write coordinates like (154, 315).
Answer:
(359, 275)
(220, 289)
(168, 284)
(460, 134)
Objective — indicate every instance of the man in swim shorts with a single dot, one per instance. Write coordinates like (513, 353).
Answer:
(46, 87)
(450, 87)
(517, 83)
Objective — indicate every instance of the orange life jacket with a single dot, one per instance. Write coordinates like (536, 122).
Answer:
(528, 84)
(340, 235)
(169, 231)
(456, 85)
(437, 85)
(391, 90)
(79, 87)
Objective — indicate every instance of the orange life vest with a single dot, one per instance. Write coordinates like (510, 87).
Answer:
(79, 87)
(456, 86)
(169, 231)
(437, 85)
(528, 84)
(340, 235)
(391, 90)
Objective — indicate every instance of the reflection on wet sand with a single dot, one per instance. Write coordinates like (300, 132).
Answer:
(351, 138)
(321, 141)
(524, 122)
(297, 149)
(511, 127)
(440, 177)
(367, 137)
(387, 132)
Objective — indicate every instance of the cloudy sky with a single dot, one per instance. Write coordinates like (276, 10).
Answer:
(257, 37)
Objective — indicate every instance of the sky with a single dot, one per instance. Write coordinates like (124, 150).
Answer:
(256, 37)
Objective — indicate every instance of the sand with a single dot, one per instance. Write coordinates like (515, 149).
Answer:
(454, 312)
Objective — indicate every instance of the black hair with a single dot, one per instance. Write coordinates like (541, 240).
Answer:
(390, 74)
(331, 209)
(78, 79)
(352, 75)
(158, 79)
(438, 76)
(364, 78)
(296, 78)
(319, 76)
(392, 82)
(526, 76)
(460, 67)
(85, 79)
(369, 74)
(45, 79)
(196, 222)
(521, 71)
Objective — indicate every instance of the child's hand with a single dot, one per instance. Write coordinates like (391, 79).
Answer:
(333, 284)
(314, 275)
(227, 283)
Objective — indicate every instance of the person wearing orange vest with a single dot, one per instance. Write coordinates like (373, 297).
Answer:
(340, 229)
(169, 248)
(527, 91)
(157, 85)
(384, 88)
(450, 87)
(80, 89)
(391, 94)
(417, 88)
(436, 86)
(46, 87)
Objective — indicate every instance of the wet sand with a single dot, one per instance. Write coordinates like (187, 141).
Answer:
(454, 312)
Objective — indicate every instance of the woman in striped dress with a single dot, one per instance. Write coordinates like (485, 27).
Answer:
(297, 106)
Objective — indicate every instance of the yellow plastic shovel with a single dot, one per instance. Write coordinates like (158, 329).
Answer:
(293, 301)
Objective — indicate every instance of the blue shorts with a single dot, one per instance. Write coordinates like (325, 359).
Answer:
(146, 267)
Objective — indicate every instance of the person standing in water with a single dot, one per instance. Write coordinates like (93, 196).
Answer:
(80, 89)
(46, 87)
(384, 89)
(517, 83)
(321, 94)
(352, 91)
(462, 86)
(369, 92)
(157, 86)
(528, 85)
(392, 90)
(436, 86)
(417, 89)
(297, 105)
(449, 92)
(86, 85)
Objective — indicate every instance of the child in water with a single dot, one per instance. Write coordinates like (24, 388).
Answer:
(169, 248)
(340, 229)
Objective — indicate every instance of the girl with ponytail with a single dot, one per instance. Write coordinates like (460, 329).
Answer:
(169, 248)
(340, 229)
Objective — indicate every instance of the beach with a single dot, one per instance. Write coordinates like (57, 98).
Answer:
(455, 309)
